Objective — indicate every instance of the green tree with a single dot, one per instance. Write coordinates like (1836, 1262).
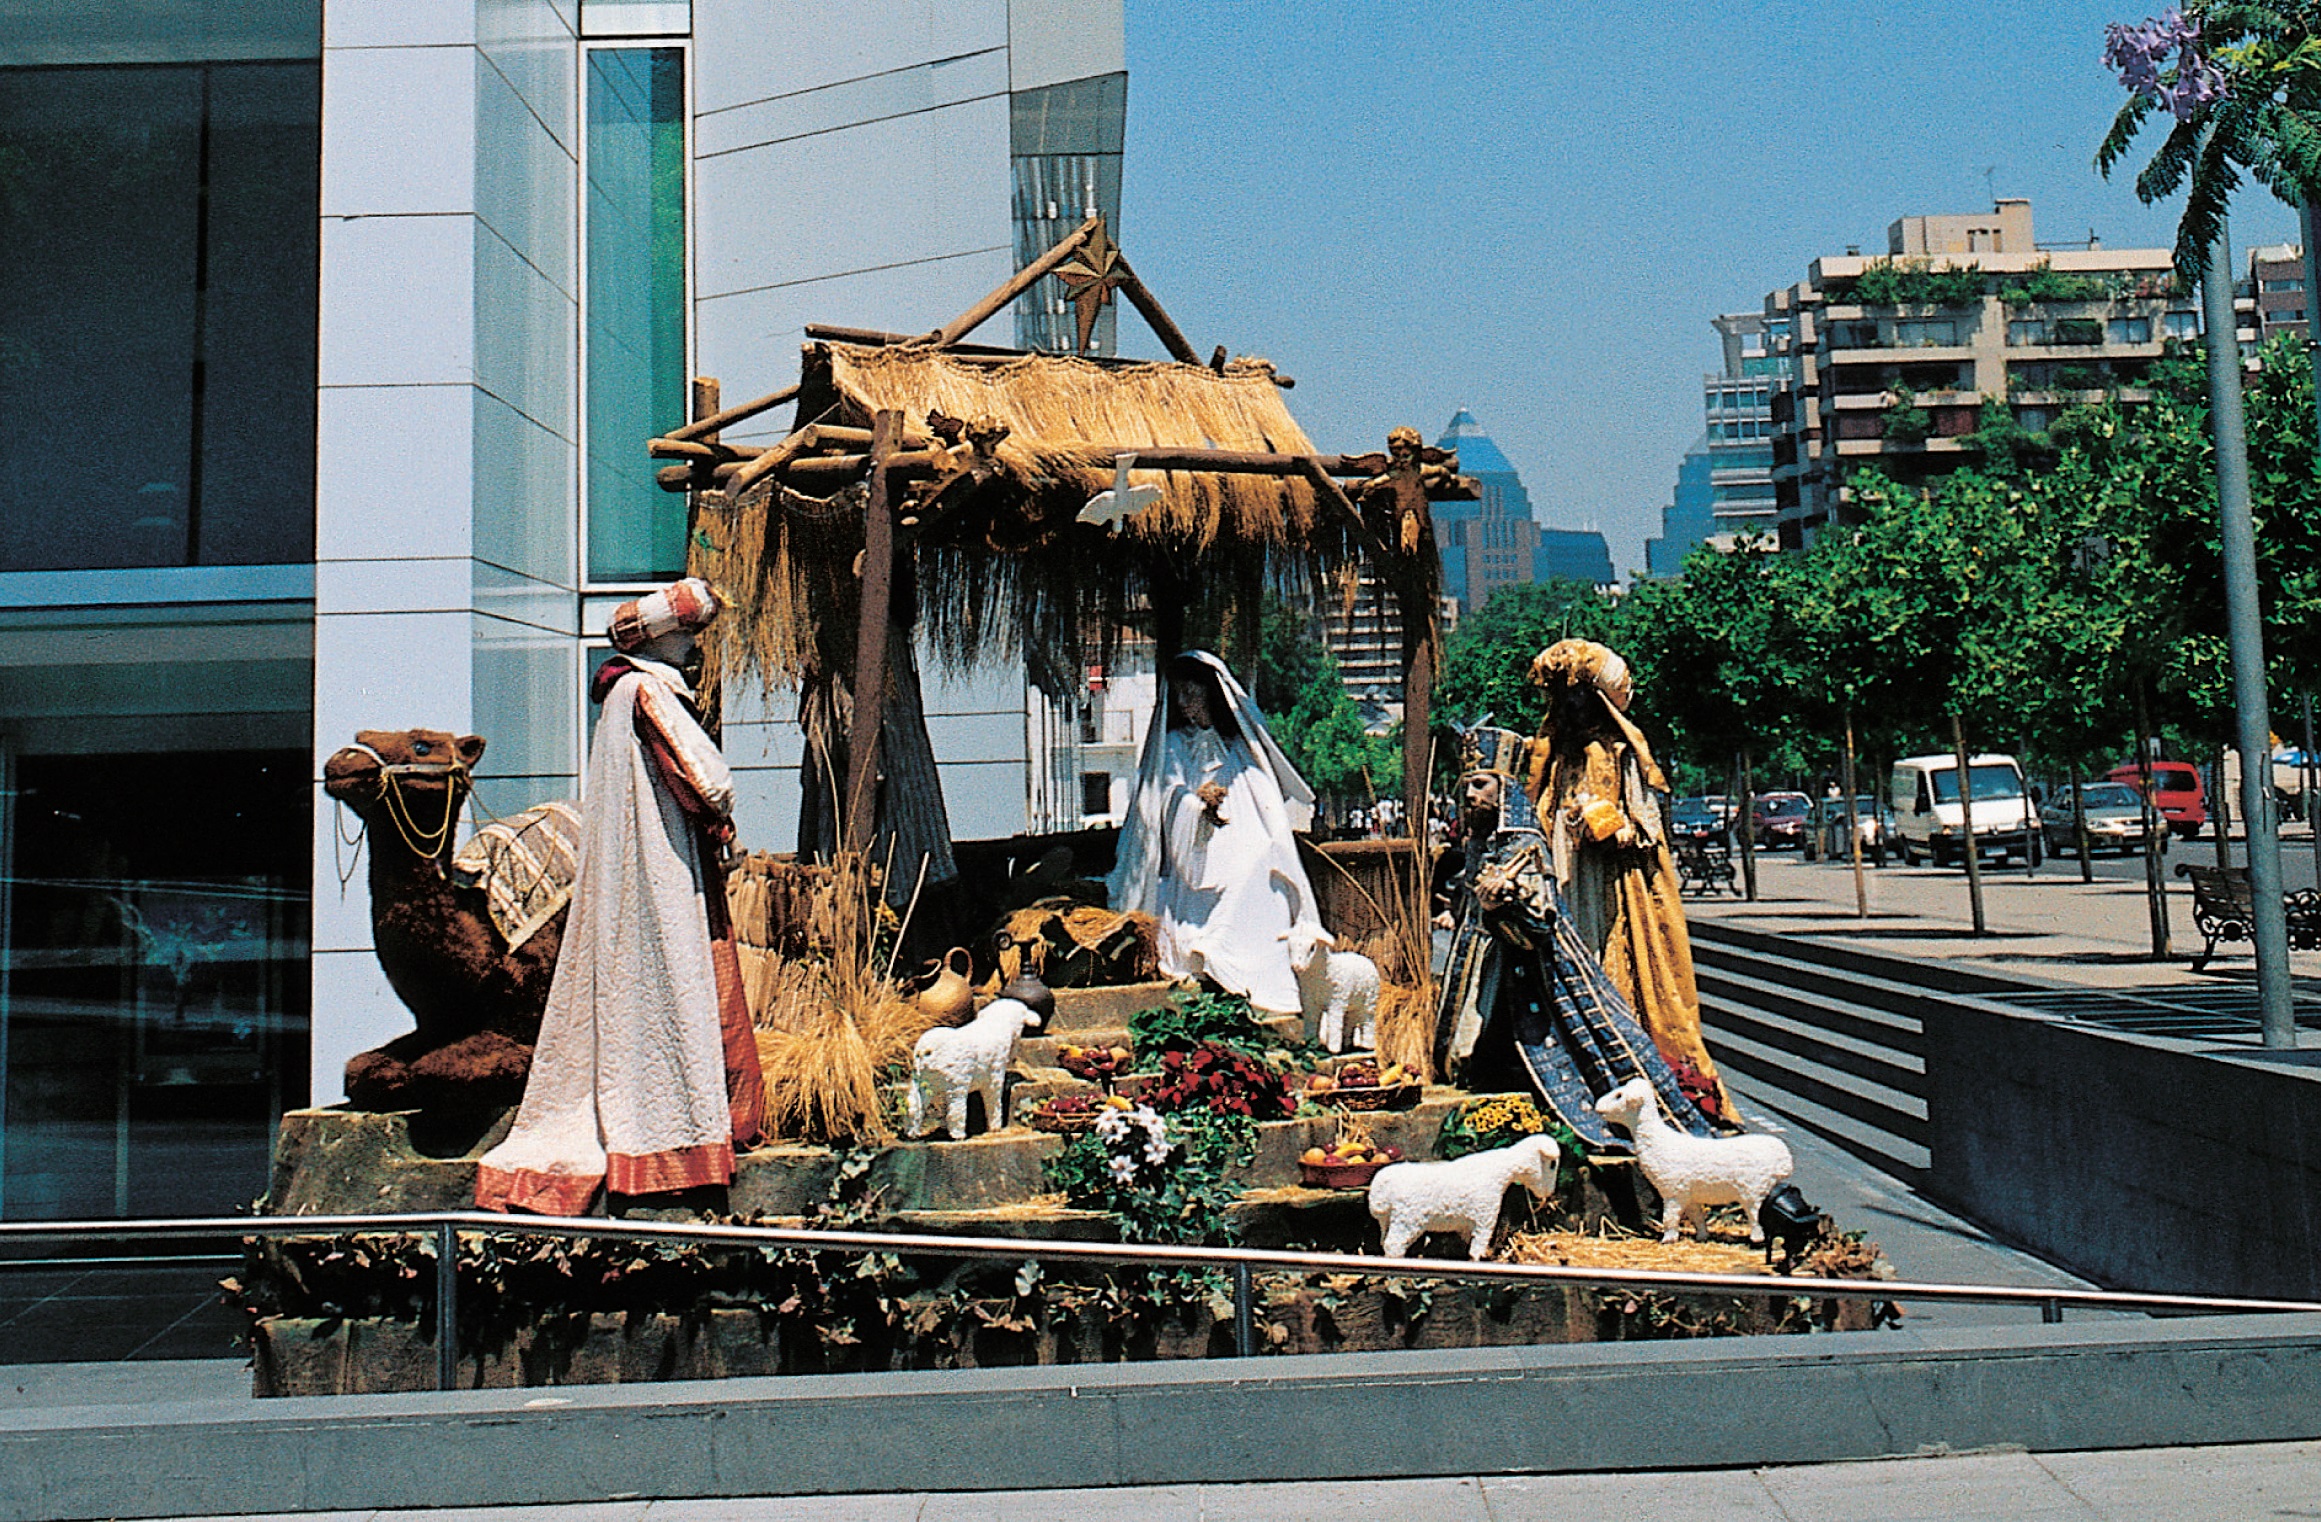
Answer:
(1324, 738)
(1487, 663)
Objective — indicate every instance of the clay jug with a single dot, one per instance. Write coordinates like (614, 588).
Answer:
(945, 994)
(1027, 989)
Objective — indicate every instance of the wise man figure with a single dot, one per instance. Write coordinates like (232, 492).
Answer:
(645, 1078)
(1597, 790)
(1524, 1004)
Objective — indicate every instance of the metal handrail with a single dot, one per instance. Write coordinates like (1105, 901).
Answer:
(1244, 1262)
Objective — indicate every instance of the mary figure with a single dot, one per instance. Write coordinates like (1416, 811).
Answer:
(1209, 849)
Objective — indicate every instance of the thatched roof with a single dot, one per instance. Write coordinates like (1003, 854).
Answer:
(1012, 572)
(1055, 406)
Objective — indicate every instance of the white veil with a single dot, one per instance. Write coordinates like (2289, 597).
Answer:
(1136, 869)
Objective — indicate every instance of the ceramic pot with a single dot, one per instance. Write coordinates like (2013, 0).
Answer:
(1026, 989)
(945, 995)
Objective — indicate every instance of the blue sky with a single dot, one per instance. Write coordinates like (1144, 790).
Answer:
(1532, 210)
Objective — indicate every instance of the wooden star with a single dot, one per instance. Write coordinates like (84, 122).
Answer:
(1091, 276)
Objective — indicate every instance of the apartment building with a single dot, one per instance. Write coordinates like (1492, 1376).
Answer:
(382, 301)
(1724, 485)
(1889, 360)
(2270, 299)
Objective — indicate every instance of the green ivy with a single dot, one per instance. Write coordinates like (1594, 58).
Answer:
(1913, 282)
(2044, 283)
(1187, 1201)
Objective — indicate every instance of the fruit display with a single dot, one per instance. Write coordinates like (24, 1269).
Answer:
(1345, 1164)
(1364, 1085)
(1097, 1064)
(1071, 1114)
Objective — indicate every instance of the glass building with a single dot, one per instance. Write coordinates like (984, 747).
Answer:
(363, 312)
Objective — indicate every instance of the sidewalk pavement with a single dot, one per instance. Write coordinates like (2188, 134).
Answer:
(2219, 1484)
(2045, 928)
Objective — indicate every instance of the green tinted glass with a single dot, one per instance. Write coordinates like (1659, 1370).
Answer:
(635, 229)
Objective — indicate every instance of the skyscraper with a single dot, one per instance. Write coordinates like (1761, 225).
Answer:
(1724, 487)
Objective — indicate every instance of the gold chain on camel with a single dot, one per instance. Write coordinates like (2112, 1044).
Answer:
(428, 845)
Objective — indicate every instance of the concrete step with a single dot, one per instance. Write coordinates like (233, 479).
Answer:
(1945, 977)
(1860, 988)
(1828, 1036)
(1872, 1106)
(1106, 1009)
(1881, 1149)
(1762, 987)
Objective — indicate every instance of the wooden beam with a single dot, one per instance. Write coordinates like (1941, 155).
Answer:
(704, 405)
(870, 641)
(686, 449)
(1163, 326)
(974, 354)
(1018, 283)
(702, 428)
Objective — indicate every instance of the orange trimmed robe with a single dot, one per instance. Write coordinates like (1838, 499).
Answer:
(645, 1077)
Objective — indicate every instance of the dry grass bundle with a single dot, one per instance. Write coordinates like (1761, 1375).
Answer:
(829, 1017)
(1055, 406)
(1573, 1249)
(1404, 952)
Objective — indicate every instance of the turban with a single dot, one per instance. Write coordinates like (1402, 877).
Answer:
(689, 605)
(1571, 661)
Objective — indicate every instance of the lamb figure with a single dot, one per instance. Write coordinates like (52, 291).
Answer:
(1339, 992)
(1694, 1172)
(1463, 1195)
(952, 1062)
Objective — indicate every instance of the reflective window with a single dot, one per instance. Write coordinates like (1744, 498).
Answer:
(634, 222)
(159, 289)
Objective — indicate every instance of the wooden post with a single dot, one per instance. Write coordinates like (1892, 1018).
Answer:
(1974, 866)
(704, 410)
(1163, 326)
(708, 426)
(1853, 825)
(1023, 280)
(870, 640)
(1414, 572)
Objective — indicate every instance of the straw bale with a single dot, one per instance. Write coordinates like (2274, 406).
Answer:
(1574, 1249)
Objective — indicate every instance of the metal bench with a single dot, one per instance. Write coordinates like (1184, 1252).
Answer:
(2224, 910)
(1705, 865)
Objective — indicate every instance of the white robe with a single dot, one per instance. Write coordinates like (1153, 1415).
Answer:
(1232, 900)
(628, 1085)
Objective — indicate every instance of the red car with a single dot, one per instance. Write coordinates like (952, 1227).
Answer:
(1778, 821)
(2176, 793)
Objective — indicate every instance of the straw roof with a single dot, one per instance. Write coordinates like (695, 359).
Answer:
(1012, 573)
(1054, 406)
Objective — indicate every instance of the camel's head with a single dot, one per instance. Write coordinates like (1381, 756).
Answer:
(423, 763)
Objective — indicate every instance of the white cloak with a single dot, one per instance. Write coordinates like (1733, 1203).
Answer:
(628, 1086)
(1232, 900)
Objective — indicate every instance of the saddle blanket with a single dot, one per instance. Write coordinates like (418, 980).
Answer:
(525, 864)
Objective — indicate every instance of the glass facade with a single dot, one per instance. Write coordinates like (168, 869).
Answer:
(161, 228)
(634, 232)
(160, 172)
(1064, 146)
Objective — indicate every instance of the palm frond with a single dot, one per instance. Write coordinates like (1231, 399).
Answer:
(2124, 128)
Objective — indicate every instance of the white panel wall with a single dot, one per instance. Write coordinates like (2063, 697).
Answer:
(444, 469)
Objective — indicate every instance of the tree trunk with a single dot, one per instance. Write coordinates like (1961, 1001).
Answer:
(1853, 825)
(2312, 770)
(2079, 826)
(2220, 806)
(1974, 870)
(1747, 817)
(2155, 887)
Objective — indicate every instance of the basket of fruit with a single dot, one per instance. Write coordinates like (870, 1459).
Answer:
(1070, 1114)
(1097, 1064)
(1345, 1164)
(1364, 1085)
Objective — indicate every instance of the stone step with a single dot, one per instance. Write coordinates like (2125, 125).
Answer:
(1106, 1009)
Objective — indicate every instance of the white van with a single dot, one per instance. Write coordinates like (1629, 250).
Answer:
(1927, 822)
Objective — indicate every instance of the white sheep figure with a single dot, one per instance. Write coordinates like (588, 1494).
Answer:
(1694, 1172)
(952, 1062)
(1339, 991)
(1463, 1195)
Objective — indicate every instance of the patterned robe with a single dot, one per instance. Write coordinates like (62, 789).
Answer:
(1526, 1005)
(645, 1077)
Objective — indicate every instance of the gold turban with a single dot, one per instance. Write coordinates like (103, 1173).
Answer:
(1570, 661)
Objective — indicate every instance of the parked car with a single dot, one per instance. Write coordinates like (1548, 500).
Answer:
(1697, 819)
(1871, 823)
(1778, 820)
(1929, 820)
(2115, 820)
(2176, 793)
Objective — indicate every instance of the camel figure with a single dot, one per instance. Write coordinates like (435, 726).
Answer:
(477, 1003)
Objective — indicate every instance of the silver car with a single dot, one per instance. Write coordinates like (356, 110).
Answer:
(2115, 821)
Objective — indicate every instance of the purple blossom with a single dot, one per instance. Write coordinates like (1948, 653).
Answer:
(2140, 55)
